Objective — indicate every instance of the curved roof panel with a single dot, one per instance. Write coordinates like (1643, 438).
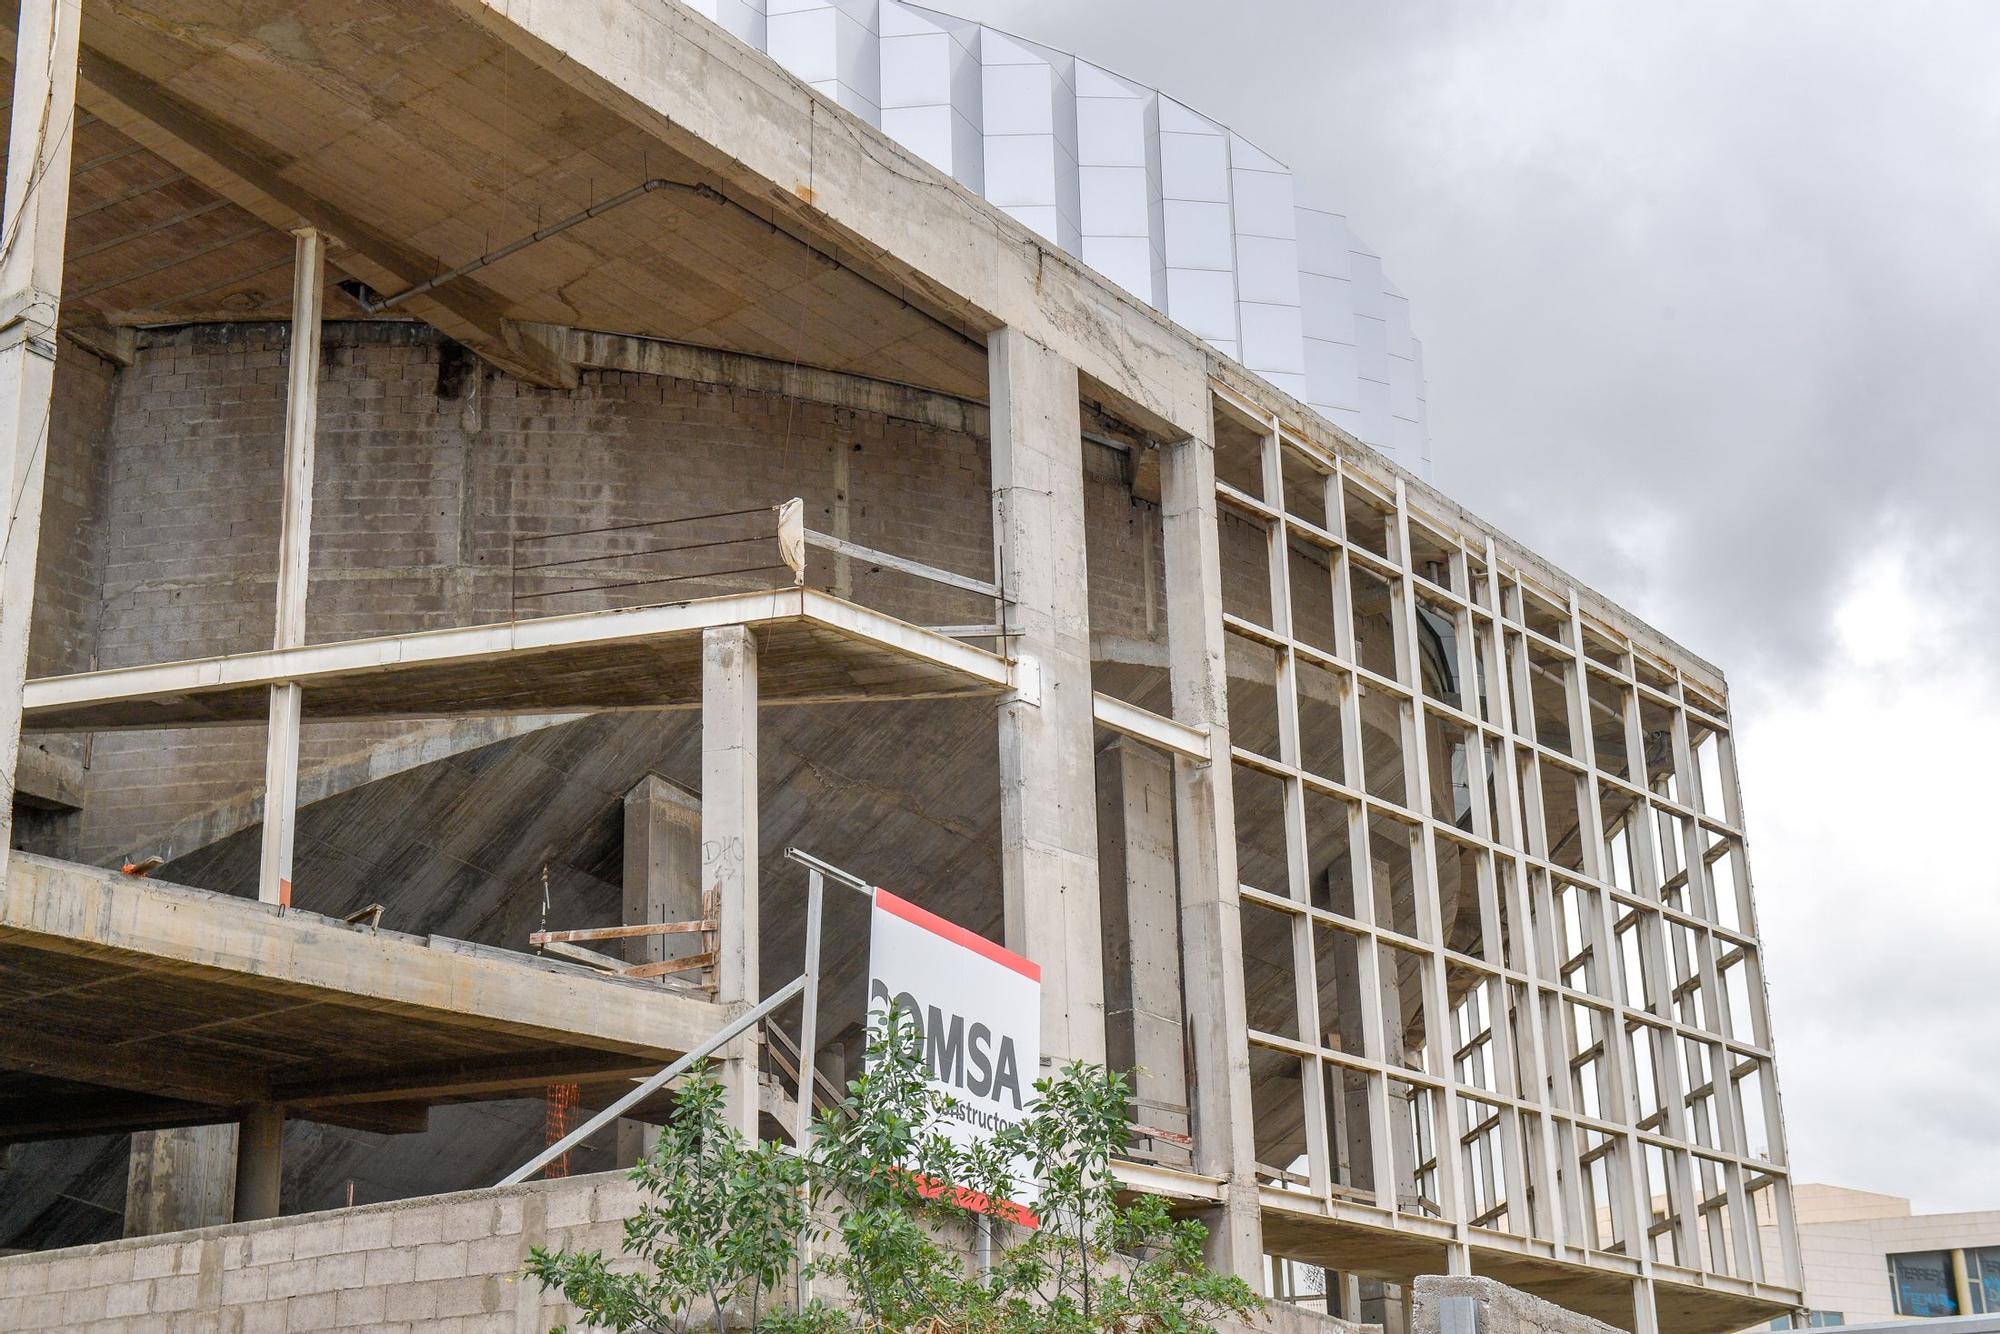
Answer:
(1181, 211)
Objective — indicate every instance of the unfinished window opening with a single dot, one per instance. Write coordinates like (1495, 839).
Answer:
(1649, 1104)
(1337, 960)
(1482, 666)
(1603, 1190)
(1635, 983)
(1520, 1036)
(1370, 519)
(1503, 898)
(1548, 689)
(1253, 694)
(1602, 649)
(1672, 863)
(1697, 699)
(1270, 970)
(1576, 912)
(1617, 809)
(1434, 559)
(1383, 773)
(1322, 748)
(1437, 652)
(1544, 617)
(1261, 860)
(1707, 748)
(1311, 579)
(1406, 1007)
(1278, 1114)
(1753, 1111)
(1463, 874)
(1562, 813)
(1690, 996)
(1726, 886)
(1451, 771)
(1305, 487)
(1700, 1097)
(1392, 867)
(1413, 1141)
(1239, 452)
(1664, 1205)
(1475, 575)
(1586, 1027)
(1656, 734)
(1609, 707)
(1244, 545)
(1736, 988)
(1712, 1180)
(1654, 675)
(1350, 1114)
(1469, 992)
(1483, 1163)
(1329, 858)
(1374, 612)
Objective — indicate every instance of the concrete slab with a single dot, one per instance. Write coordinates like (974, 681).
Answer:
(815, 649)
(133, 1003)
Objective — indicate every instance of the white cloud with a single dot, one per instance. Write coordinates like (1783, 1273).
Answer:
(1869, 785)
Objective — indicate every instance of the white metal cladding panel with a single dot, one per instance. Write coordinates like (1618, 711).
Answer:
(1165, 202)
(742, 19)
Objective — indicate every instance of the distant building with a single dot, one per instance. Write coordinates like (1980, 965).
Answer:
(1869, 1257)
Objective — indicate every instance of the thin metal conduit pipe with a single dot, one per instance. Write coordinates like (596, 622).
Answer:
(643, 188)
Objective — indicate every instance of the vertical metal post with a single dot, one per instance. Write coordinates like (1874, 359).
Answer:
(808, 1048)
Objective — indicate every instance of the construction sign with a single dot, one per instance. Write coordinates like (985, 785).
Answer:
(979, 1008)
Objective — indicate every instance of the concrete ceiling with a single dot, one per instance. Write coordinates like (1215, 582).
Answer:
(421, 143)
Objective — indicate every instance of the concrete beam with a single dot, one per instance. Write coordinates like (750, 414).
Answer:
(1047, 770)
(1144, 1031)
(250, 174)
(776, 144)
(729, 842)
(377, 677)
(662, 884)
(281, 746)
(81, 911)
(1204, 821)
(180, 1179)
(33, 222)
(260, 1142)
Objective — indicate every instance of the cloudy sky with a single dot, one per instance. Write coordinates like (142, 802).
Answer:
(1710, 302)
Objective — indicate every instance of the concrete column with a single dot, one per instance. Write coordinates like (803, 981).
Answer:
(1047, 767)
(1142, 939)
(180, 1179)
(729, 840)
(259, 1162)
(1204, 834)
(281, 755)
(662, 884)
(36, 212)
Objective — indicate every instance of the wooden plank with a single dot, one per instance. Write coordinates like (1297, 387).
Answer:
(621, 932)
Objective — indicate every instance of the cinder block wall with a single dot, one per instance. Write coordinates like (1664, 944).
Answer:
(446, 1263)
(162, 535)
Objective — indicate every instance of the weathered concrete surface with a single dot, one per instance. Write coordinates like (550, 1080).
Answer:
(203, 1003)
(439, 1262)
(1461, 1304)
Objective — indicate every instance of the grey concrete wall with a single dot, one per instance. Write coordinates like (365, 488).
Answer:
(428, 466)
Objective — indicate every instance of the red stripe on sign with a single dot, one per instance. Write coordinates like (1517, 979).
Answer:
(956, 934)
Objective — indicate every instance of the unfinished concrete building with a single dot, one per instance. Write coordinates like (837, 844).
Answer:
(406, 407)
